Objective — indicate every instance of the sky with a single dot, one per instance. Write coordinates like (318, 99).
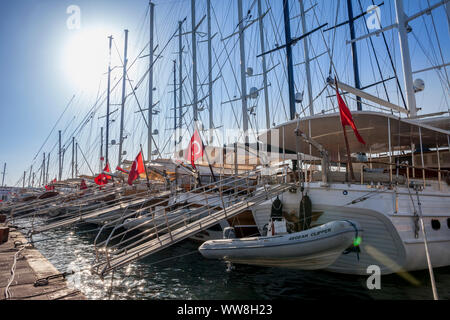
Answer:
(45, 63)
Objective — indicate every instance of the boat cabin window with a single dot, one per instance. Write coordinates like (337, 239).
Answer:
(448, 223)
(435, 224)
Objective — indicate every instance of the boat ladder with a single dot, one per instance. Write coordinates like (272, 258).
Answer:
(220, 202)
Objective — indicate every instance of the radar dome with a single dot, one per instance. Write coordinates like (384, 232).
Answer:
(253, 93)
(299, 97)
(419, 85)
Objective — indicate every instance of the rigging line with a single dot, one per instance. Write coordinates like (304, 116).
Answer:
(157, 58)
(375, 54)
(228, 94)
(141, 111)
(334, 34)
(332, 66)
(62, 114)
(399, 87)
(227, 53)
(437, 39)
(282, 62)
(429, 59)
(84, 157)
(90, 115)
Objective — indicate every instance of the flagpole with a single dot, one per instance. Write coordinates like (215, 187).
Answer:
(207, 158)
(145, 168)
(349, 159)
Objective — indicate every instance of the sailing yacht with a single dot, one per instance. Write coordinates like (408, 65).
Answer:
(400, 190)
(387, 203)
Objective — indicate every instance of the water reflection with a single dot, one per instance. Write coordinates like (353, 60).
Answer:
(190, 276)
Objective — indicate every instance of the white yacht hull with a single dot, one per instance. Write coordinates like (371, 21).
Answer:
(387, 218)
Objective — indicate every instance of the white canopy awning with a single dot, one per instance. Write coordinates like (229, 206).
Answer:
(372, 126)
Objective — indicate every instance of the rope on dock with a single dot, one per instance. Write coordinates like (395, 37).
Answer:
(8, 294)
(44, 281)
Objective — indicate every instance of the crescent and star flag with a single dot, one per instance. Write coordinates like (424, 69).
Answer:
(136, 169)
(346, 116)
(195, 149)
(50, 186)
(103, 178)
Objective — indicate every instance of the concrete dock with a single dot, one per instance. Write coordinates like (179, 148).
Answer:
(30, 267)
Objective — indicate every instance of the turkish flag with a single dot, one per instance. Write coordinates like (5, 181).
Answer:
(195, 149)
(136, 169)
(107, 170)
(346, 116)
(103, 178)
(50, 186)
(83, 185)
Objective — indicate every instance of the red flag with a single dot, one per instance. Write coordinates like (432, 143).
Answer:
(103, 178)
(83, 185)
(122, 170)
(346, 116)
(136, 169)
(107, 170)
(50, 186)
(195, 149)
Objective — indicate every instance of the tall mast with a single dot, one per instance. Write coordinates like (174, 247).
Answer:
(60, 156)
(180, 77)
(354, 51)
(4, 172)
(194, 62)
(175, 102)
(210, 81)
(73, 156)
(46, 171)
(406, 57)
(307, 60)
(264, 67)
(29, 176)
(43, 170)
(447, 9)
(108, 102)
(287, 31)
(76, 159)
(101, 148)
(124, 91)
(150, 84)
(243, 75)
(24, 175)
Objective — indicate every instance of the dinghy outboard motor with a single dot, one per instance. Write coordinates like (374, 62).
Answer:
(277, 224)
(277, 209)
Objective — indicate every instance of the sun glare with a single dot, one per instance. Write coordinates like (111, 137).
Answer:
(85, 58)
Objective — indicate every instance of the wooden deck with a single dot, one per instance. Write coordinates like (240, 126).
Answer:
(31, 265)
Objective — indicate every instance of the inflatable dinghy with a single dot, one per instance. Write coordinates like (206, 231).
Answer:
(315, 248)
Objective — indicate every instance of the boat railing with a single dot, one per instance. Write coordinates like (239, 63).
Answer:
(383, 172)
(172, 223)
(183, 203)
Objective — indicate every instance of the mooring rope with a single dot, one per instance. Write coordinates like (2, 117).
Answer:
(427, 253)
(8, 294)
